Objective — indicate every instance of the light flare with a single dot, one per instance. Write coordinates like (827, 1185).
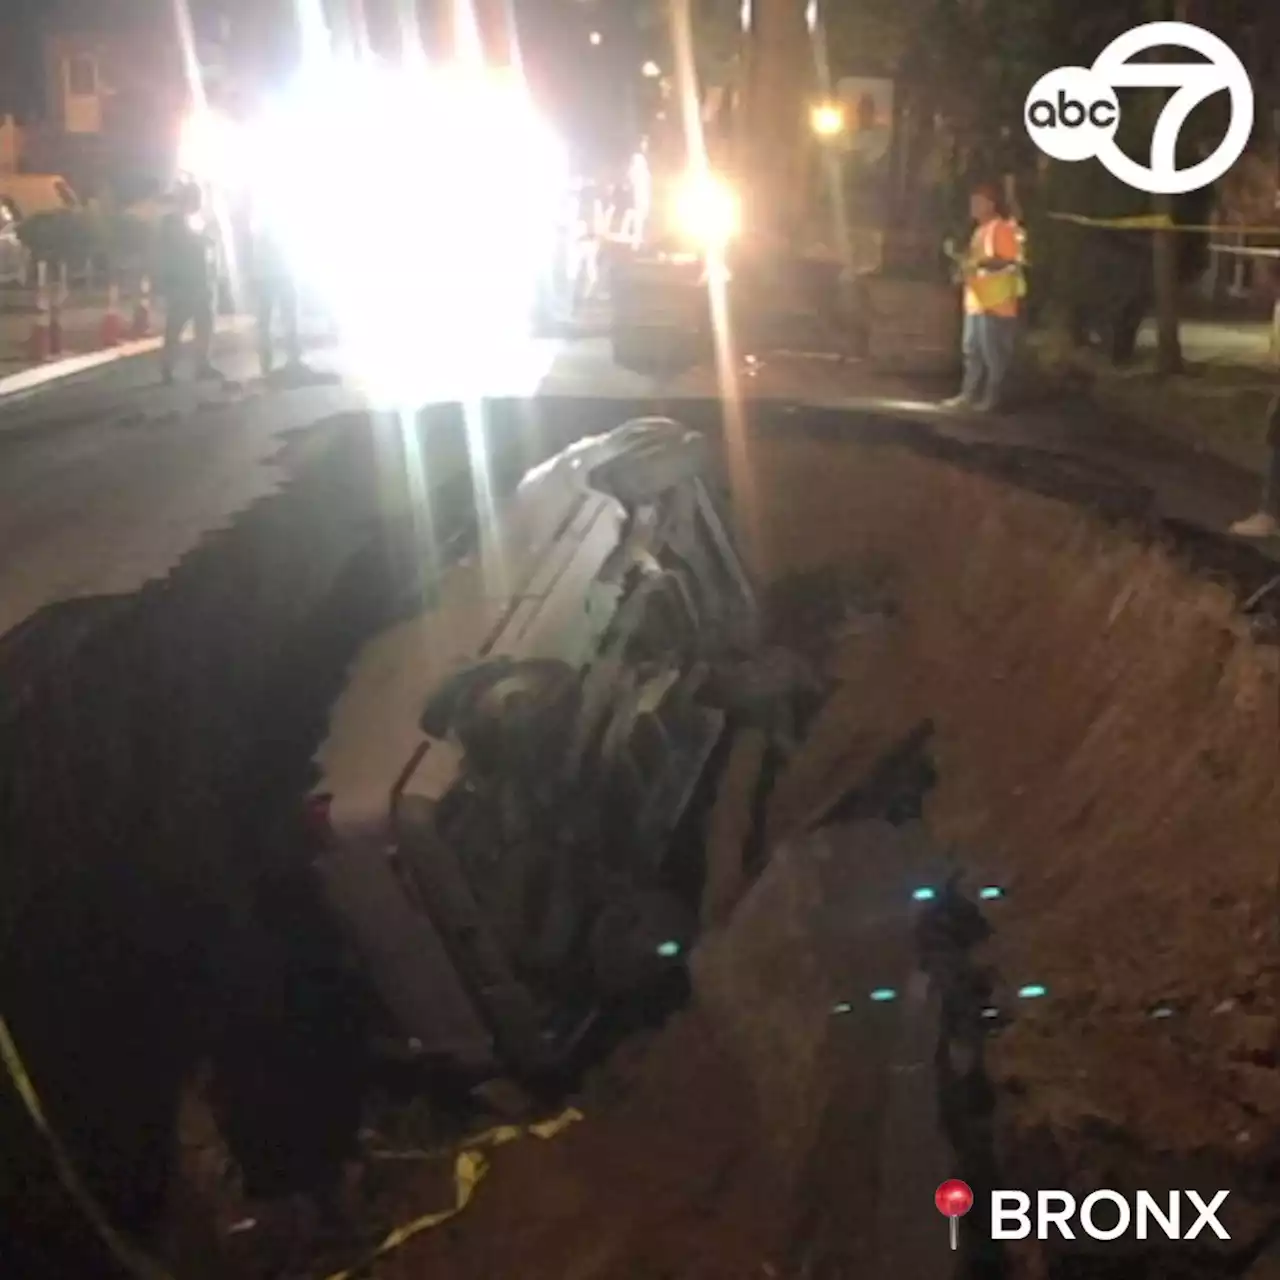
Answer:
(742, 480)
(708, 211)
(444, 266)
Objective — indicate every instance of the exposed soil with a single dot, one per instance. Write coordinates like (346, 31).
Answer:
(1068, 698)
(1103, 734)
(153, 752)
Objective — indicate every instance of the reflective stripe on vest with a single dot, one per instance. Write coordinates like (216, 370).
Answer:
(992, 290)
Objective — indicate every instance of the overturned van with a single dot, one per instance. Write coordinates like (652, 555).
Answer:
(506, 770)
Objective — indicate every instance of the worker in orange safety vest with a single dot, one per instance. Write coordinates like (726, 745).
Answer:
(994, 286)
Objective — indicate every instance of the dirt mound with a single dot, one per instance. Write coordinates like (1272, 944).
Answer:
(662, 1179)
(1099, 724)
(1102, 728)
(1105, 733)
(1105, 744)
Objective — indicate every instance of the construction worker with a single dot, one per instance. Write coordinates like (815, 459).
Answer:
(586, 243)
(635, 220)
(187, 282)
(994, 285)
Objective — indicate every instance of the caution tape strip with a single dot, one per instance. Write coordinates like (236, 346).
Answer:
(1245, 251)
(132, 1259)
(1162, 222)
(470, 1167)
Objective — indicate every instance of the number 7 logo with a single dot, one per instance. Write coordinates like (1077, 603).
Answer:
(1073, 113)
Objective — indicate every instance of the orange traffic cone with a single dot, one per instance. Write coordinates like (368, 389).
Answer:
(112, 332)
(141, 326)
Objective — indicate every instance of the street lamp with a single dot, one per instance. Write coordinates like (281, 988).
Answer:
(827, 120)
(651, 70)
(208, 147)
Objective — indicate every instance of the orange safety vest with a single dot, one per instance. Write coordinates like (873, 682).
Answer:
(994, 292)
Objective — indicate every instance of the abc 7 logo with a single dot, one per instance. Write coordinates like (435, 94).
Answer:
(1073, 113)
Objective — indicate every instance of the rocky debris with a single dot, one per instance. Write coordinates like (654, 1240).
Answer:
(811, 987)
(814, 610)
(1096, 726)
(662, 1178)
(1104, 727)
(505, 1098)
(1101, 728)
(774, 689)
(730, 827)
(153, 748)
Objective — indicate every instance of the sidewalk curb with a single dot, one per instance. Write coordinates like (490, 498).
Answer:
(1180, 423)
(26, 381)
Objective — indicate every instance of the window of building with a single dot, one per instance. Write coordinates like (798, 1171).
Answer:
(82, 76)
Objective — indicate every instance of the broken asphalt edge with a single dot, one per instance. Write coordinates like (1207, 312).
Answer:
(16, 388)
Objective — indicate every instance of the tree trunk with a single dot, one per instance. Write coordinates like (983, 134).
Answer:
(780, 77)
(1165, 279)
(1164, 250)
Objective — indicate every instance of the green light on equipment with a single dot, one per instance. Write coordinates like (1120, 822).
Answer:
(882, 995)
(990, 892)
(842, 1006)
(668, 950)
(1033, 991)
(924, 894)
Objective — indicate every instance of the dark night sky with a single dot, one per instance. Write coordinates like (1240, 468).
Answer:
(19, 84)
(583, 86)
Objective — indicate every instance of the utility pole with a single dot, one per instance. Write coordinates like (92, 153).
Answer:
(780, 76)
(1164, 249)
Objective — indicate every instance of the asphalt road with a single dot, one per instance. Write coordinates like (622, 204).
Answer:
(108, 479)
(107, 482)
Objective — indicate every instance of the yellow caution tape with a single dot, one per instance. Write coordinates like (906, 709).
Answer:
(1246, 250)
(135, 1262)
(469, 1168)
(1162, 222)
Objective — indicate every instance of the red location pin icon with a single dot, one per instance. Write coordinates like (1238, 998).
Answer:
(954, 1199)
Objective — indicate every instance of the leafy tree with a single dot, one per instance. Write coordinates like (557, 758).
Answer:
(74, 237)
(60, 236)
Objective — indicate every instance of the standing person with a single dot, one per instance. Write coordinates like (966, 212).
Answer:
(187, 282)
(587, 242)
(635, 223)
(276, 293)
(1265, 522)
(993, 289)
